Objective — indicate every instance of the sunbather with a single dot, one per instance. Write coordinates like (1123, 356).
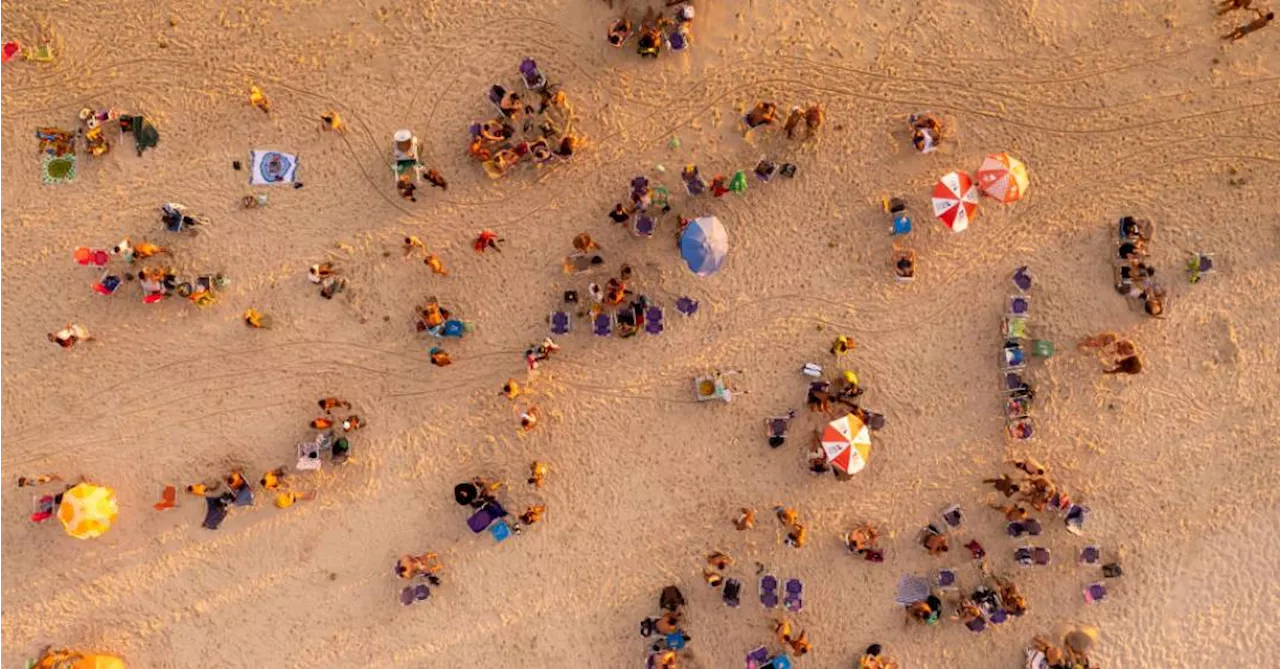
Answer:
(764, 113)
(273, 479)
(934, 541)
(1030, 466)
(1014, 602)
(874, 658)
(786, 515)
(538, 473)
(427, 564)
(619, 32)
(1004, 485)
(533, 514)
(1130, 364)
(904, 263)
(928, 611)
(1012, 512)
(584, 243)
(862, 539)
(798, 536)
(529, 419)
(746, 519)
(25, 481)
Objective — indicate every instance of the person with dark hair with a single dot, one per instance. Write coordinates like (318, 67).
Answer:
(1130, 364)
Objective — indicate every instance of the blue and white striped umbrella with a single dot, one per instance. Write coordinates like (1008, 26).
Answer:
(704, 245)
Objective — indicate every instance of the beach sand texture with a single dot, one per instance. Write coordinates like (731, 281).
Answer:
(1116, 107)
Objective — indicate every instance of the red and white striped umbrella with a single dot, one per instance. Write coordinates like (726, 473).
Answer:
(1003, 177)
(955, 200)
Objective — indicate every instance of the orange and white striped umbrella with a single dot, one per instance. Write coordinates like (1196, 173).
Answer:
(847, 444)
(1003, 177)
(955, 200)
(87, 510)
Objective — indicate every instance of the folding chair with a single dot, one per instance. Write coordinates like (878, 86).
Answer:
(643, 226)
(560, 322)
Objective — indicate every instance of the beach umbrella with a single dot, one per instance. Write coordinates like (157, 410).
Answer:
(87, 510)
(465, 493)
(1003, 177)
(955, 200)
(847, 444)
(704, 244)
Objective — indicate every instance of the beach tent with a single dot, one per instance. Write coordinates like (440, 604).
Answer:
(955, 200)
(847, 444)
(704, 244)
(1003, 177)
(87, 510)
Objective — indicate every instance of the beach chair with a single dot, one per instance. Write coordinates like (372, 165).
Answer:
(42, 508)
(533, 78)
(643, 226)
(766, 169)
(998, 617)
(1199, 265)
(485, 516)
(1089, 555)
(1011, 382)
(1019, 305)
(678, 39)
(1029, 527)
(953, 516)
(1031, 555)
(1014, 327)
(1022, 279)
(769, 591)
(1075, 518)
(945, 579)
(414, 593)
(1020, 429)
(653, 320)
(308, 456)
(977, 624)
(560, 322)
(1095, 592)
(1016, 407)
(757, 657)
(793, 600)
(602, 325)
(687, 306)
(732, 593)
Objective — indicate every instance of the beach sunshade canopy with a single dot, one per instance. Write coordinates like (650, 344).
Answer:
(87, 510)
(847, 444)
(465, 493)
(704, 245)
(1003, 177)
(955, 200)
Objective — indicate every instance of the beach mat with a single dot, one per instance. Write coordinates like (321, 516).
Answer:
(272, 167)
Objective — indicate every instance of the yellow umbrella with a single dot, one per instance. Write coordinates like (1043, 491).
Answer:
(87, 510)
(72, 659)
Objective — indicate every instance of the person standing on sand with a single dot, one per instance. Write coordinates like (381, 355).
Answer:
(1252, 26)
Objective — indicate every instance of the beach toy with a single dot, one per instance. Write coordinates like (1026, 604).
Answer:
(42, 53)
(11, 49)
(1042, 348)
(738, 183)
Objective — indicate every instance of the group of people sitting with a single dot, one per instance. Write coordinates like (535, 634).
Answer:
(766, 113)
(1036, 490)
(1134, 277)
(927, 131)
(521, 130)
(903, 257)
(662, 654)
(655, 30)
(994, 600)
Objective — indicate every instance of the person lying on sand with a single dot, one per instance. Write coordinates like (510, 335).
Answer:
(288, 498)
(862, 538)
(26, 481)
(928, 611)
(746, 519)
(328, 404)
(1004, 485)
(1012, 512)
(533, 514)
(798, 536)
(529, 419)
(764, 113)
(934, 541)
(786, 515)
(584, 243)
(412, 566)
(1029, 466)
(874, 658)
(619, 32)
(273, 479)
(1252, 26)
(511, 389)
(538, 473)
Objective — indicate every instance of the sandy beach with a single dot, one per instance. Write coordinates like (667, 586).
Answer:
(1117, 108)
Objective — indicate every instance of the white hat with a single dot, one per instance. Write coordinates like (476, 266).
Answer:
(403, 135)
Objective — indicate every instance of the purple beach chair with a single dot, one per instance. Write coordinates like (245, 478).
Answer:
(532, 76)
(999, 616)
(1019, 305)
(643, 226)
(794, 598)
(414, 593)
(977, 624)
(1029, 527)
(945, 579)
(560, 322)
(1095, 592)
(653, 320)
(687, 306)
(1090, 555)
(1022, 279)
(769, 591)
(1031, 555)
(953, 515)
(602, 326)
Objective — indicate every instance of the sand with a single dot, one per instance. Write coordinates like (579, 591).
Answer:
(1117, 108)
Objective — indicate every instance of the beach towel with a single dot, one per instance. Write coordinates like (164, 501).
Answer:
(58, 169)
(912, 589)
(272, 167)
(215, 513)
